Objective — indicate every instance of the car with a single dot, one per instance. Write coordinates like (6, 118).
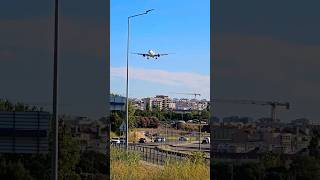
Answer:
(163, 139)
(206, 140)
(147, 133)
(115, 140)
(182, 138)
(142, 140)
(122, 140)
(159, 139)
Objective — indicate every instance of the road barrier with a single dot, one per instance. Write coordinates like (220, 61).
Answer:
(154, 155)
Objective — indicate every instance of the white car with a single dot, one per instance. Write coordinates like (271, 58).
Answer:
(160, 139)
(115, 140)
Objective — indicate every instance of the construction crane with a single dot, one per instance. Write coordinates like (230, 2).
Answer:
(272, 104)
(194, 94)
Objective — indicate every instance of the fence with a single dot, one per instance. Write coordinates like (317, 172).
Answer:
(153, 154)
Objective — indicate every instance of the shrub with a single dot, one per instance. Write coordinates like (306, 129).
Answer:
(148, 122)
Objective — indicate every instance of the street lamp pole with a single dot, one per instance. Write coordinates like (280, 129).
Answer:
(127, 81)
(199, 130)
(55, 124)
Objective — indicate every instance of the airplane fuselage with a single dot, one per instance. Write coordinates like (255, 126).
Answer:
(151, 54)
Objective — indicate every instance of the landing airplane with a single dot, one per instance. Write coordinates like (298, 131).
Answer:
(151, 54)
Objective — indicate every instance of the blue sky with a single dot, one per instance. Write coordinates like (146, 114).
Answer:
(173, 27)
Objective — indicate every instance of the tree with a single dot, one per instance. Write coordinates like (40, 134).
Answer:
(205, 114)
(221, 171)
(248, 171)
(305, 168)
(154, 122)
(69, 154)
(276, 173)
(188, 116)
(271, 160)
(131, 116)
(148, 106)
(116, 120)
(14, 170)
(6, 105)
(147, 122)
(314, 148)
(93, 162)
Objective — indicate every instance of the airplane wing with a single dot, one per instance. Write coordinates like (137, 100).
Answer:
(164, 54)
(142, 54)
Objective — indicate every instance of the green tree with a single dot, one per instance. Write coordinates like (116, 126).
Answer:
(116, 120)
(93, 162)
(6, 105)
(205, 114)
(305, 168)
(271, 160)
(69, 154)
(148, 106)
(276, 173)
(188, 116)
(131, 116)
(248, 171)
(314, 148)
(221, 171)
(14, 171)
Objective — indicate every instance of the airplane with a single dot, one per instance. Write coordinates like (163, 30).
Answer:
(151, 54)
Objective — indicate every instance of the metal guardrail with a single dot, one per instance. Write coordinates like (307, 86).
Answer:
(154, 155)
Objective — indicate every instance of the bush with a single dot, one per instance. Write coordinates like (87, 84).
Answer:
(148, 122)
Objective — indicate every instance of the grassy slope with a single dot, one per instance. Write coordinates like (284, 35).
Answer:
(131, 168)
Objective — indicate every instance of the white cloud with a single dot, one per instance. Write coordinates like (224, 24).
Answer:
(190, 81)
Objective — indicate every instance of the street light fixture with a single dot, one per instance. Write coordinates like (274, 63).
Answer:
(127, 81)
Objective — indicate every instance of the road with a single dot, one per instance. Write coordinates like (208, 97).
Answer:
(173, 146)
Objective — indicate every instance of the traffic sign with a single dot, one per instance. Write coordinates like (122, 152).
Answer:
(123, 127)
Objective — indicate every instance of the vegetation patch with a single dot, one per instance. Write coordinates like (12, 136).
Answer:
(128, 166)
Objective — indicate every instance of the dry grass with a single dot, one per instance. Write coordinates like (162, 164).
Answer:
(131, 168)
